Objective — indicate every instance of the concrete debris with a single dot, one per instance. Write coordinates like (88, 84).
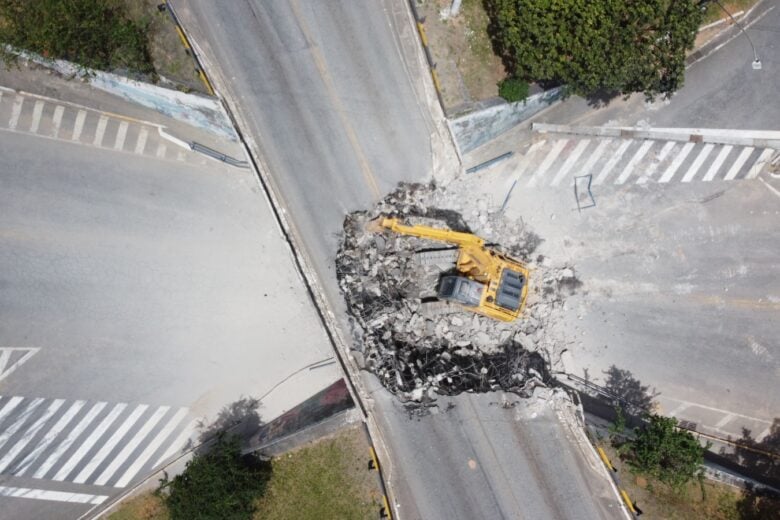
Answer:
(419, 347)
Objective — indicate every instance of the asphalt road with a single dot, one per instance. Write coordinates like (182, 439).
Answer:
(148, 293)
(325, 98)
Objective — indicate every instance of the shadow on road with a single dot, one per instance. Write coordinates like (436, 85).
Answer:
(629, 391)
(239, 418)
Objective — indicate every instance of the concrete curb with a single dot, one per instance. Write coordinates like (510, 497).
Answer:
(755, 138)
(197, 111)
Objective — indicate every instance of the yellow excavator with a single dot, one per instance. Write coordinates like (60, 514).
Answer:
(490, 283)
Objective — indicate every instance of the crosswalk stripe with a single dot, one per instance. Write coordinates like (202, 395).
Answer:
(612, 162)
(176, 445)
(759, 164)
(36, 118)
(51, 434)
(100, 131)
(548, 160)
(72, 436)
(20, 420)
(131, 445)
(54, 496)
(140, 144)
(667, 148)
(678, 160)
(89, 442)
(638, 156)
(78, 125)
(523, 166)
(694, 169)
(594, 157)
(567, 166)
(9, 407)
(56, 120)
(108, 447)
(717, 163)
(121, 133)
(31, 432)
(161, 148)
(16, 111)
(743, 157)
(151, 448)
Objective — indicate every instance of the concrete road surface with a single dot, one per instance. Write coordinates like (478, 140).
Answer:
(325, 97)
(139, 292)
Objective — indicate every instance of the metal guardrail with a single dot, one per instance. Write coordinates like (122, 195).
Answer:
(215, 154)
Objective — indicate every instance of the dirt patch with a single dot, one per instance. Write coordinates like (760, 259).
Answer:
(173, 64)
(468, 69)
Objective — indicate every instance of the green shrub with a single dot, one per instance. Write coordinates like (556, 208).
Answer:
(93, 33)
(513, 89)
(220, 484)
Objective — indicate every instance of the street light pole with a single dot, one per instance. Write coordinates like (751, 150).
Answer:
(756, 61)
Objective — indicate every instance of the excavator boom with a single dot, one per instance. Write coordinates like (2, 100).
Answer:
(498, 282)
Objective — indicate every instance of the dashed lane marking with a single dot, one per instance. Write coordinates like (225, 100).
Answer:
(121, 134)
(140, 144)
(54, 496)
(678, 160)
(16, 111)
(612, 162)
(100, 131)
(697, 163)
(638, 156)
(78, 125)
(36, 117)
(161, 148)
(741, 160)
(56, 120)
(717, 163)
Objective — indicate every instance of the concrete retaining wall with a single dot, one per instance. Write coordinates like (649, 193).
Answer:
(477, 128)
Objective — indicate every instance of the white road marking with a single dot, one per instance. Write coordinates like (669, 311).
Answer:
(717, 163)
(5, 357)
(178, 443)
(638, 156)
(658, 160)
(36, 117)
(78, 125)
(54, 496)
(140, 144)
(741, 160)
(595, 156)
(9, 407)
(527, 161)
(161, 150)
(180, 155)
(724, 421)
(109, 445)
(759, 164)
(89, 442)
(722, 411)
(20, 420)
(16, 111)
(152, 447)
(680, 408)
(567, 166)
(100, 131)
(51, 434)
(694, 169)
(56, 120)
(612, 162)
(72, 436)
(669, 173)
(769, 187)
(121, 133)
(130, 446)
(548, 160)
(31, 432)
(760, 436)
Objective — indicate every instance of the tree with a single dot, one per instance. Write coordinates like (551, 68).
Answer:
(596, 46)
(665, 452)
(217, 484)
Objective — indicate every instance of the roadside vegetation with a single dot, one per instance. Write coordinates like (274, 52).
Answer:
(326, 479)
(95, 33)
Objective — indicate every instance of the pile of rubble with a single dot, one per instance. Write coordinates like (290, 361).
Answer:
(419, 347)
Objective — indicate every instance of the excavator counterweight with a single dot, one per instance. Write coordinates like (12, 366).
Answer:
(489, 283)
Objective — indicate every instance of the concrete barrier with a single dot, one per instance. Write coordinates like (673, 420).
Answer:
(477, 128)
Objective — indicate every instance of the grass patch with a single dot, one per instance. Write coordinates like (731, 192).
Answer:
(94, 33)
(327, 479)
